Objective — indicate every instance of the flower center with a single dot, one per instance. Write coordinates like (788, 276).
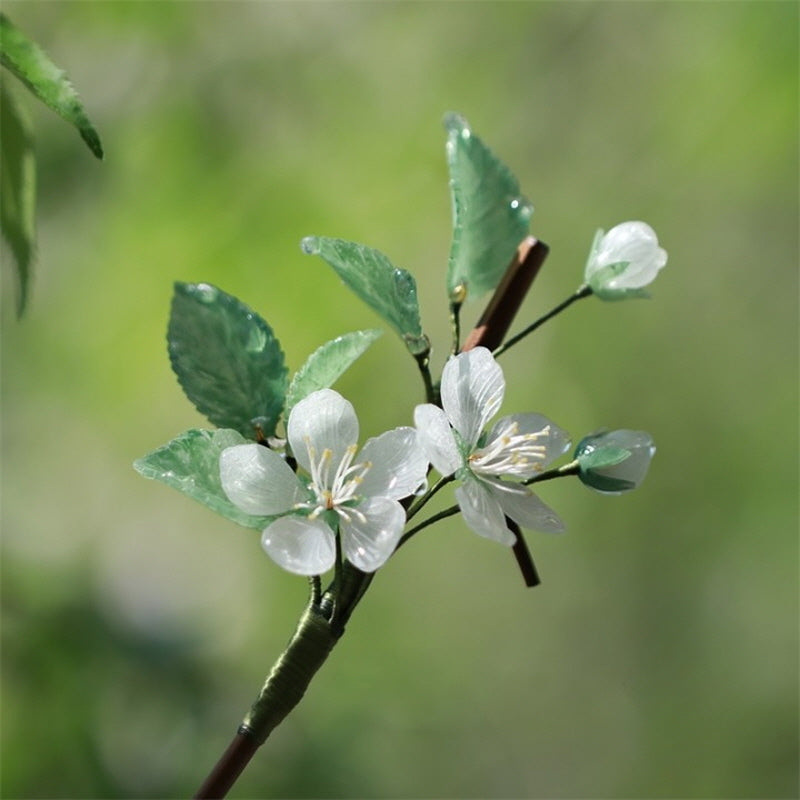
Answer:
(335, 489)
(512, 453)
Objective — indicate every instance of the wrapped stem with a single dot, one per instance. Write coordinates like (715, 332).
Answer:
(307, 651)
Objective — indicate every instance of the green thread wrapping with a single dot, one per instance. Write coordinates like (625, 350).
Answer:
(289, 678)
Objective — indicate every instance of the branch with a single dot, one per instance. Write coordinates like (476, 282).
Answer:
(285, 686)
(490, 331)
(495, 321)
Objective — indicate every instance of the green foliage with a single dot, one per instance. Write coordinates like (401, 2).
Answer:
(387, 289)
(685, 588)
(45, 80)
(17, 190)
(327, 363)
(490, 216)
(190, 464)
(227, 359)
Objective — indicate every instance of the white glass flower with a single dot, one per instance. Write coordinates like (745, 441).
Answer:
(354, 493)
(517, 446)
(623, 261)
(614, 461)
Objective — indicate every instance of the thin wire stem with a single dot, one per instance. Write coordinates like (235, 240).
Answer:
(315, 587)
(581, 292)
(423, 362)
(448, 512)
(416, 507)
(455, 325)
(573, 468)
(336, 586)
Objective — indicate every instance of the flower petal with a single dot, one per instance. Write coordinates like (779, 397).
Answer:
(472, 391)
(258, 481)
(322, 420)
(370, 533)
(300, 545)
(482, 512)
(526, 509)
(399, 464)
(436, 438)
(555, 440)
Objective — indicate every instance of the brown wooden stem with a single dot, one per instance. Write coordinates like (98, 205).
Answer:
(495, 321)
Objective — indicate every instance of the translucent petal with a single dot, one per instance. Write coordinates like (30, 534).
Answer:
(526, 509)
(370, 533)
(472, 391)
(634, 243)
(399, 464)
(556, 441)
(258, 481)
(322, 420)
(300, 545)
(436, 438)
(482, 512)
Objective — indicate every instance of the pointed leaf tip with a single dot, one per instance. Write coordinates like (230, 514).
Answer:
(190, 464)
(45, 80)
(490, 214)
(328, 363)
(455, 123)
(387, 289)
(310, 245)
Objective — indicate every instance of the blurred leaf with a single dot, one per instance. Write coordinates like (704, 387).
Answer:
(490, 216)
(327, 363)
(49, 83)
(387, 289)
(227, 359)
(17, 190)
(190, 464)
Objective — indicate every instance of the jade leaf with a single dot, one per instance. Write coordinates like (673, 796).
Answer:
(593, 461)
(387, 289)
(227, 359)
(190, 464)
(490, 216)
(49, 83)
(601, 457)
(17, 191)
(327, 363)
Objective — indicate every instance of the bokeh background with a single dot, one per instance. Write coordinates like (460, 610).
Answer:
(659, 657)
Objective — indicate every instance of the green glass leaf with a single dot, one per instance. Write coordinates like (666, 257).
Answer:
(190, 464)
(17, 191)
(327, 363)
(227, 359)
(49, 83)
(604, 483)
(490, 216)
(600, 457)
(387, 289)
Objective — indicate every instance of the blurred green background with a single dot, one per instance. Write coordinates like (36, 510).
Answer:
(659, 658)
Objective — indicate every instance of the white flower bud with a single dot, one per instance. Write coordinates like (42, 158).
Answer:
(615, 461)
(623, 261)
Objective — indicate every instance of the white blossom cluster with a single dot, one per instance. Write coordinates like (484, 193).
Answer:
(344, 497)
